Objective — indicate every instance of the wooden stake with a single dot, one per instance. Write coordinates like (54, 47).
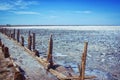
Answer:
(14, 34)
(36, 53)
(33, 41)
(22, 40)
(29, 42)
(83, 63)
(2, 47)
(50, 48)
(18, 35)
(6, 52)
(18, 76)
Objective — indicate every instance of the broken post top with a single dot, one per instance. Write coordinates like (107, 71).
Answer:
(85, 47)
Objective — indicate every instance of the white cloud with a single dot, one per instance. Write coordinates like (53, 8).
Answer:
(16, 4)
(84, 12)
(5, 6)
(26, 12)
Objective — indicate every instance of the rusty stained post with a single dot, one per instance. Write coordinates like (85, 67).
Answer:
(29, 42)
(18, 35)
(33, 41)
(50, 49)
(83, 63)
(22, 40)
(6, 52)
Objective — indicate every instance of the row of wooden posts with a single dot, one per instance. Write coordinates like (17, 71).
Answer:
(31, 42)
(12, 34)
(17, 73)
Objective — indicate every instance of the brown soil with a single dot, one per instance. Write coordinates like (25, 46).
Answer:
(6, 68)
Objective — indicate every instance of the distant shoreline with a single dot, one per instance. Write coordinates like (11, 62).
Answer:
(64, 27)
(8, 25)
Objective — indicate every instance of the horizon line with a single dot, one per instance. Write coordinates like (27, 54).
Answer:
(13, 25)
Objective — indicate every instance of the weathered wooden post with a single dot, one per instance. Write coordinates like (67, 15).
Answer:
(33, 41)
(18, 35)
(2, 47)
(14, 34)
(22, 40)
(83, 63)
(18, 76)
(50, 48)
(6, 52)
(36, 53)
(29, 42)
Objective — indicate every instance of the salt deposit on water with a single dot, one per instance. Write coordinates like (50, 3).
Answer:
(70, 27)
(103, 58)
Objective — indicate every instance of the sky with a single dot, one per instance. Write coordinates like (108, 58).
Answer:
(60, 12)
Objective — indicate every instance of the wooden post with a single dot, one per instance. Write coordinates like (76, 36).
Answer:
(22, 40)
(83, 63)
(29, 42)
(2, 47)
(33, 41)
(14, 34)
(18, 76)
(18, 35)
(6, 52)
(36, 53)
(50, 48)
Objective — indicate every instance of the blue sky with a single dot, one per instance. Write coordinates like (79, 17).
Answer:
(60, 12)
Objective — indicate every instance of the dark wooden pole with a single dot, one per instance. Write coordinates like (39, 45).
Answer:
(83, 63)
(29, 42)
(22, 40)
(18, 35)
(50, 49)
(19, 76)
(3, 47)
(6, 52)
(14, 34)
(33, 41)
(36, 53)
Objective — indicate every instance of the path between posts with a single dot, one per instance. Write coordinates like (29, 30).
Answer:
(32, 69)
